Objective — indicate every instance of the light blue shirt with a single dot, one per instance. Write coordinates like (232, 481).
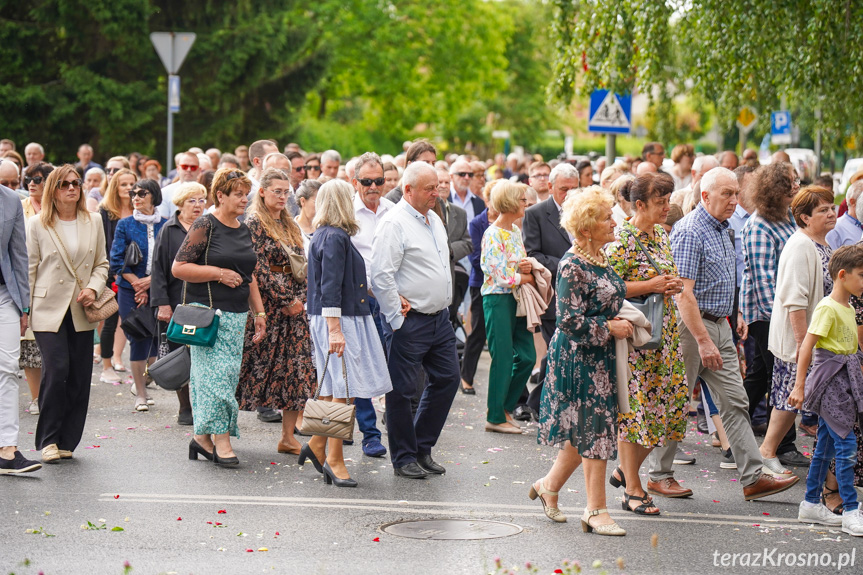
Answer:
(848, 231)
(736, 222)
(466, 205)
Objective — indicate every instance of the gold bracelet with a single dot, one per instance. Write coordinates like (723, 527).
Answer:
(261, 314)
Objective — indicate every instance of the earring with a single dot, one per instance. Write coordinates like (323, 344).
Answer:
(590, 239)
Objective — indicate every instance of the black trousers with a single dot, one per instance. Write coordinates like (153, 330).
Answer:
(546, 328)
(759, 375)
(106, 336)
(476, 339)
(64, 393)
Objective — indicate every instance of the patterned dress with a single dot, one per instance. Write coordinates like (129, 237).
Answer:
(579, 398)
(785, 372)
(657, 389)
(278, 371)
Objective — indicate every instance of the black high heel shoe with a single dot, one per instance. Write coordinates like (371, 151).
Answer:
(330, 477)
(307, 453)
(224, 460)
(195, 449)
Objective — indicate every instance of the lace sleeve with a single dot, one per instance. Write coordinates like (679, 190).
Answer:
(195, 243)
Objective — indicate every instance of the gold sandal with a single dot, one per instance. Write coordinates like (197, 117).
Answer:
(552, 513)
(612, 529)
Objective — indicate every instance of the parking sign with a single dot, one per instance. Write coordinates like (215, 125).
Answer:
(780, 127)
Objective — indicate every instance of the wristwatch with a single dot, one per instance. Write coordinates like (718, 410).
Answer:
(26, 310)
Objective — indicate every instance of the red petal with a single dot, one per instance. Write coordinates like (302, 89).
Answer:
(250, 550)
(376, 539)
(277, 532)
(222, 511)
(116, 497)
(217, 523)
(716, 501)
(179, 518)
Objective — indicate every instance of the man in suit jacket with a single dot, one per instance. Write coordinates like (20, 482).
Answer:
(460, 246)
(14, 311)
(547, 241)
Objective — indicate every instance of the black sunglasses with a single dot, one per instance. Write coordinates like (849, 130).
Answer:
(233, 176)
(66, 184)
(464, 174)
(314, 168)
(367, 182)
(112, 171)
(300, 169)
(35, 179)
(140, 192)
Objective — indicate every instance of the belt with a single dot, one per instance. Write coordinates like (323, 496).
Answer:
(285, 269)
(426, 314)
(711, 317)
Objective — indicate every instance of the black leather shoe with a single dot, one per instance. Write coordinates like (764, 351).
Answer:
(428, 465)
(330, 478)
(411, 471)
(524, 413)
(195, 450)
(307, 453)
(300, 433)
(185, 418)
(224, 460)
(793, 459)
(270, 416)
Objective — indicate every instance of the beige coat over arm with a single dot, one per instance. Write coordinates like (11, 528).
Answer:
(53, 288)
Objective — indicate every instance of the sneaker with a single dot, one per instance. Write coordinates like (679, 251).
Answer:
(817, 513)
(33, 409)
(793, 459)
(109, 376)
(772, 466)
(681, 458)
(19, 464)
(852, 523)
(728, 460)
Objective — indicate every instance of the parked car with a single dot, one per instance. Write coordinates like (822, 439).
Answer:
(852, 166)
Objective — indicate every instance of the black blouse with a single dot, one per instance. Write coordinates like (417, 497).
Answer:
(229, 248)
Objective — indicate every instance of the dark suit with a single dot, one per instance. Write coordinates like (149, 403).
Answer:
(547, 241)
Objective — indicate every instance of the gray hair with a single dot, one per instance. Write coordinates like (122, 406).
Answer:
(307, 189)
(414, 171)
(367, 158)
(562, 170)
(99, 171)
(704, 164)
(711, 179)
(331, 156)
(4, 161)
(272, 156)
(41, 149)
(854, 190)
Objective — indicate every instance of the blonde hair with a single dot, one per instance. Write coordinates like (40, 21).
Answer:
(615, 186)
(611, 173)
(285, 229)
(52, 182)
(187, 190)
(111, 203)
(506, 197)
(584, 210)
(334, 207)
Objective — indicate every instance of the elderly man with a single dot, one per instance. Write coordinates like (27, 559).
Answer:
(11, 178)
(684, 197)
(14, 309)
(370, 208)
(460, 195)
(646, 168)
(215, 155)
(653, 152)
(34, 153)
(547, 241)
(704, 255)
(538, 179)
(412, 281)
(330, 162)
(85, 159)
(477, 182)
(728, 160)
(848, 228)
(419, 151)
(188, 169)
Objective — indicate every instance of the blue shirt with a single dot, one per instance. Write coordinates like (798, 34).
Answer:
(736, 222)
(763, 242)
(848, 231)
(703, 252)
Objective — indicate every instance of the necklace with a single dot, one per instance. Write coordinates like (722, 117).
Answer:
(591, 259)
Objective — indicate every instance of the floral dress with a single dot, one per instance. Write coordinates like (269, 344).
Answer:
(579, 398)
(278, 371)
(657, 388)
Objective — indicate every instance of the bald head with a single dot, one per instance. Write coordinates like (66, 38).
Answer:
(34, 153)
(645, 168)
(781, 156)
(9, 175)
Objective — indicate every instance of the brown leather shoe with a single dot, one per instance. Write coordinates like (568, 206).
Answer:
(768, 485)
(668, 487)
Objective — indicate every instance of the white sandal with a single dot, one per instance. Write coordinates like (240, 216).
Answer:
(552, 513)
(611, 529)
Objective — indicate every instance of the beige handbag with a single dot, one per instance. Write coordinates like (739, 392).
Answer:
(106, 302)
(327, 418)
(299, 264)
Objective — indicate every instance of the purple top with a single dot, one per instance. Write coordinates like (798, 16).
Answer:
(834, 389)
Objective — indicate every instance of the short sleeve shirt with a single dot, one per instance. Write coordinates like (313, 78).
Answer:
(835, 326)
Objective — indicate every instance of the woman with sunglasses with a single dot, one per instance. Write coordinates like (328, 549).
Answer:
(166, 291)
(313, 166)
(31, 359)
(62, 238)
(115, 206)
(133, 282)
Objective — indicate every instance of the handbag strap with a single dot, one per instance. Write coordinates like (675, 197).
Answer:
(206, 263)
(644, 251)
(69, 258)
(344, 373)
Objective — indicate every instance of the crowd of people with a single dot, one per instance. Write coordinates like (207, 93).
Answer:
(644, 289)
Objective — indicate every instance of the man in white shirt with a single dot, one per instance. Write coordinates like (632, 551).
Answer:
(412, 282)
(187, 171)
(370, 208)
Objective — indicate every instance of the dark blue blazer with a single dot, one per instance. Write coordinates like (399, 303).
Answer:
(477, 228)
(336, 275)
(129, 230)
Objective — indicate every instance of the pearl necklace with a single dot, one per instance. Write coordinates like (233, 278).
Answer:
(589, 258)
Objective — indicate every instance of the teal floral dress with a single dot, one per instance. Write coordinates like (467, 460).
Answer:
(657, 388)
(579, 398)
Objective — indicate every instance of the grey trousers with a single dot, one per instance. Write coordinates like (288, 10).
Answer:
(726, 388)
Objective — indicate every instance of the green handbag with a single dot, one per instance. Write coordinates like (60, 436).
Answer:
(195, 324)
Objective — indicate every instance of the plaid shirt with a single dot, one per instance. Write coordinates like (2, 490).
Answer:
(703, 252)
(762, 245)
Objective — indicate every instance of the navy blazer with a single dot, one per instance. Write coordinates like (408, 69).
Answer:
(13, 248)
(336, 275)
(546, 240)
(130, 230)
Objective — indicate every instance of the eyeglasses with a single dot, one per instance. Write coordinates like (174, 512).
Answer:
(231, 175)
(479, 175)
(463, 174)
(198, 202)
(141, 193)
(279, 193)
(367, 182)
(188, 167)
(299, 169)
(66, 184)
(313, 168)
(112, 171)
(35, 179)
(539, 177)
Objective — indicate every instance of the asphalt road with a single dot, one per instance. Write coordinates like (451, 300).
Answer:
(271, 516)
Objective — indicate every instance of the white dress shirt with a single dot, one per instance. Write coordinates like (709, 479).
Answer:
(410, 257)
(368, 221)
(167, 208)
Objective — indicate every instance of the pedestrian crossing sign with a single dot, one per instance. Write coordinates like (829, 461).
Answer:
(610, 113)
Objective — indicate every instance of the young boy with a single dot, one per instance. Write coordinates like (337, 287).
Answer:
(834, 391)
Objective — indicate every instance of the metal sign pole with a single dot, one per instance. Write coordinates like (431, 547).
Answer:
(610, 150)
(172, 48)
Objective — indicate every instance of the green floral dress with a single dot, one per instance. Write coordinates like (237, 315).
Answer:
(657, 389)
(579, 398)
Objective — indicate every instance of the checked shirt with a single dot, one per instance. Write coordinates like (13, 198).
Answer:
(762, 245)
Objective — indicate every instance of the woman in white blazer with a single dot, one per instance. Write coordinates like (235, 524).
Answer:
(64, 241)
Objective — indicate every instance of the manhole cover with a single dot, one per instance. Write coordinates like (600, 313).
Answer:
(451, 529)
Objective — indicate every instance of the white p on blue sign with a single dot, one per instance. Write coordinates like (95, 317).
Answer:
(780, 127)
(610, 113)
